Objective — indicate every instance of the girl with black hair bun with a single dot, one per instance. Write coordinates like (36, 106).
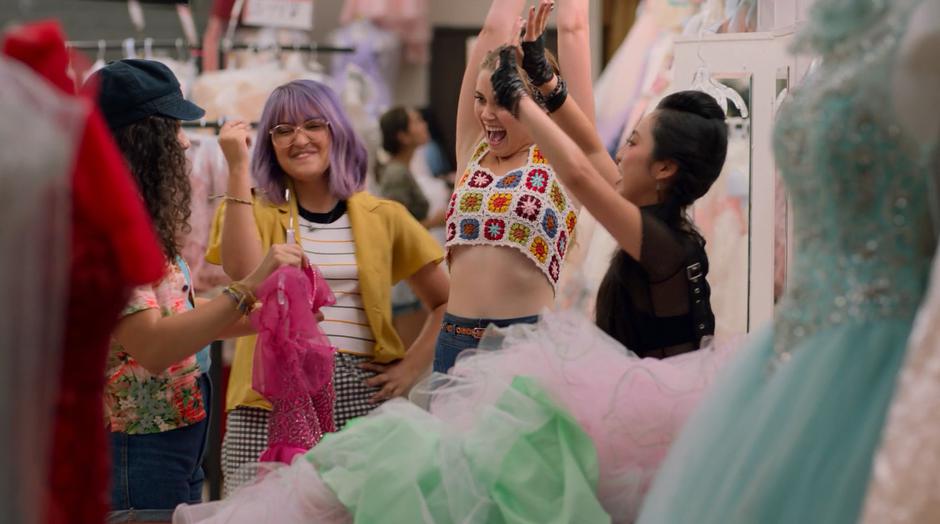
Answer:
(657, 304)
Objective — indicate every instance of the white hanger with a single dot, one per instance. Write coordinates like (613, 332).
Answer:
(702, 80)
(130, 50)
(180, 55)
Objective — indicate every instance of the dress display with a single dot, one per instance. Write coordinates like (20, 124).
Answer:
(789, 433)
(560, 424)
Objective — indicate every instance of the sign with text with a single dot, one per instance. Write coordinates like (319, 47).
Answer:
(287, 14)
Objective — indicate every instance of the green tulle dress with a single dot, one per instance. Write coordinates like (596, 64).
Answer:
(525, 460)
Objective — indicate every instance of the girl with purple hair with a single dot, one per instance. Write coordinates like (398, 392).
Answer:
(310, 167)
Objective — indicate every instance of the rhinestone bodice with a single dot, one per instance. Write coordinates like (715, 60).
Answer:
(858, 184)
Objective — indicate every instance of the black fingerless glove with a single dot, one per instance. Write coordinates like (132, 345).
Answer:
(535, 63)
(508, 87)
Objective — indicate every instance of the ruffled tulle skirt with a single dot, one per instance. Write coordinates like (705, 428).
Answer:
(554, 422)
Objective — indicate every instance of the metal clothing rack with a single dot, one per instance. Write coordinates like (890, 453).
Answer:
(152, 43)
(194, 50)
(209, 124)
(312, 47)
(180, 44)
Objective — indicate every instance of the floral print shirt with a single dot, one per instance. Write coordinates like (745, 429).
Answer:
(137, 401)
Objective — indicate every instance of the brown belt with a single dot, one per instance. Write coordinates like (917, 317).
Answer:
(476, 332)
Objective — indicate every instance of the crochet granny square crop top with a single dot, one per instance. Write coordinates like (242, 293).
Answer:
(526, 209)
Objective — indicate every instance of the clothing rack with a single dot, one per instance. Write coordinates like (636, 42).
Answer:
(312, 47)
(180, 44)
(152, 43)
(206, 124)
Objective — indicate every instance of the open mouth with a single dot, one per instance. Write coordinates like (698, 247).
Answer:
(495, 135)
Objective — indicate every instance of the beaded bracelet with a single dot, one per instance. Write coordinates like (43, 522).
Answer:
(244, 299)
(236, 297)
(557, 97)
(237, 200)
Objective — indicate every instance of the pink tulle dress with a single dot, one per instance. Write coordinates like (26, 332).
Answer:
(552, 423)
(293, 361)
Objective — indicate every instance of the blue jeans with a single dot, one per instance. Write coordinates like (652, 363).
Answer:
(450, 343)
(153, 473)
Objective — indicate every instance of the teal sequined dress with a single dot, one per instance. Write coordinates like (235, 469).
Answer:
(788, 433)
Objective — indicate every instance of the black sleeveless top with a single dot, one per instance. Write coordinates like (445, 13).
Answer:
(658, 306)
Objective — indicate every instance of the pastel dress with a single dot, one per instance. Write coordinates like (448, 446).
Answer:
(789, 430)
(551, 423)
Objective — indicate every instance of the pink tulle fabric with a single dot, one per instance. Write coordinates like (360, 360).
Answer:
(631, 408)
(293, 361)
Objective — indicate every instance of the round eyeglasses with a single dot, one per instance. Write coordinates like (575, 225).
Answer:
(283, 135)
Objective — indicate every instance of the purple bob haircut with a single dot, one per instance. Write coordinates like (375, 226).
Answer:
(296, 102)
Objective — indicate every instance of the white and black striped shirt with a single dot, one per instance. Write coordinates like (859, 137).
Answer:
(330, 247)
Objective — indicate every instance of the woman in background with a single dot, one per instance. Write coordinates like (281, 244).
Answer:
(403, 132)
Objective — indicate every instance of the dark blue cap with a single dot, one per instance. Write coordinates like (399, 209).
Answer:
(131, 90)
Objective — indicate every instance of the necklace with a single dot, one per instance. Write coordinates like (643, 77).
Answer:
(317, 221)
(500, 159)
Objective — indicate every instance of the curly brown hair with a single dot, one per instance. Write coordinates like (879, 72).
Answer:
(158, 162)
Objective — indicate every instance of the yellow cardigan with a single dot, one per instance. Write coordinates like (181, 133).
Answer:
(390, 246)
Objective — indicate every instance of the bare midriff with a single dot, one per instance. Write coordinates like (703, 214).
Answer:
(496, 282)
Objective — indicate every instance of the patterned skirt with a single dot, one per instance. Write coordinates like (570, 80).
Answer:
(246, 433)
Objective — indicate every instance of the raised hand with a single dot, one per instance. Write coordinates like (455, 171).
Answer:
(534, 61)
(508, 87)
(234, 139)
